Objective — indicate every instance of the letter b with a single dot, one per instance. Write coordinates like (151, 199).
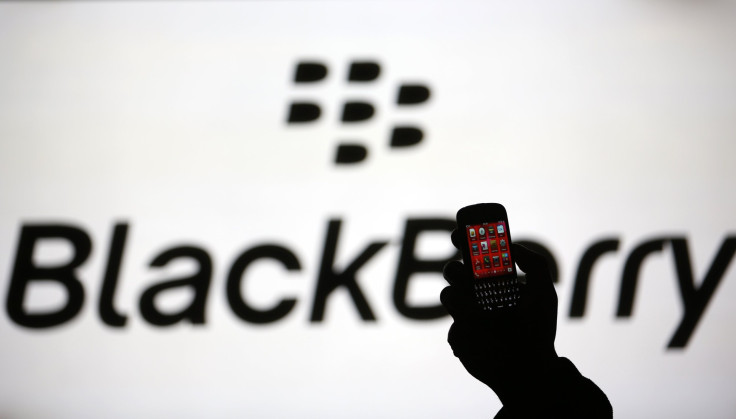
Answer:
(409, 264)
(25, 271)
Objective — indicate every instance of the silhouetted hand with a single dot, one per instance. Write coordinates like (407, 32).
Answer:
(510, 347)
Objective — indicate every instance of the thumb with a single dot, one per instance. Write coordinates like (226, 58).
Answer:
(529, 261)
(538, 286)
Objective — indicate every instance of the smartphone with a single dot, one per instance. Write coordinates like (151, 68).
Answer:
(486, 248)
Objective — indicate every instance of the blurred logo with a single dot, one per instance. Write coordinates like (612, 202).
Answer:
(29, 269)
(355, 113)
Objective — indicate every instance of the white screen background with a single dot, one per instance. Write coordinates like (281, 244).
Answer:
(587, 121)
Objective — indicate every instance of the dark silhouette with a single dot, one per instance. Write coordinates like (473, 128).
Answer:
(512, 350)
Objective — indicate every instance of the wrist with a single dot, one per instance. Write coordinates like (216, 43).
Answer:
(531, 380)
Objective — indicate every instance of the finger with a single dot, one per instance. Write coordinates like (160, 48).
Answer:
(450, 299)
(456, 238)
(454, 272)
(457, 302)
(453, 340)
(461, 337)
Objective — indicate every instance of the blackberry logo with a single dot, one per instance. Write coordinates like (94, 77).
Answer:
(356, 112)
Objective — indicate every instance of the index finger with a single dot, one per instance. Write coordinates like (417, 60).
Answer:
(456, 239)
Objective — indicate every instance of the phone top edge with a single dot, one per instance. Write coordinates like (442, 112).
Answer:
(482, 210)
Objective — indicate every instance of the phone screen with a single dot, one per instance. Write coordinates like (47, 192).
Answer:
(490, 251)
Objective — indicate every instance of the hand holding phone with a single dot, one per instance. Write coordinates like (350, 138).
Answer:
(508, 342)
